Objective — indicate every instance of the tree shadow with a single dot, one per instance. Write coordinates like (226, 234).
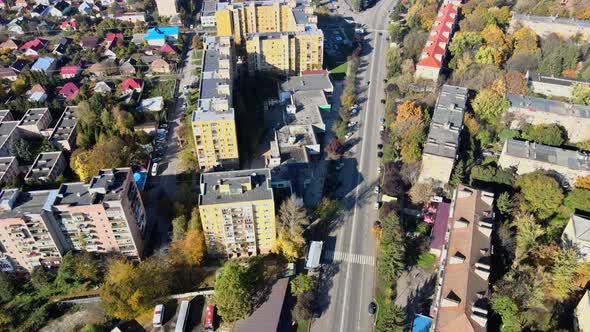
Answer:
(420, 300)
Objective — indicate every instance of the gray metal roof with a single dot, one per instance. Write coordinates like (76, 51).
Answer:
(43, 165)
(209, 8)
(559, 80)
(447, 121)
(575, 160)
(33, 115)
(16, 204)
(6, 130)
(551, 20)
(266, 318)
(308, 82)
(66, 125)
(549, 106)
(258, 178)
(307, 105)
(581, 227)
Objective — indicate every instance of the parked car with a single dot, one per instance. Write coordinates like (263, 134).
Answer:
(372, 305)
(348, 135)
(354, 112)
(154, 169)
(377, 189)
(157, 159)
(380, 154)
(377, 205)
(158, 315)
(379, 146)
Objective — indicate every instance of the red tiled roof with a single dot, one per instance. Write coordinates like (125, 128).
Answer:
(69, 70)
(167, 49)
(112, 36)
(69, 91)
(439, 36)
(34, 44)
(131, 83)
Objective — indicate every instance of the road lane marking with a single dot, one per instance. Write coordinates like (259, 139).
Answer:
(339, 256)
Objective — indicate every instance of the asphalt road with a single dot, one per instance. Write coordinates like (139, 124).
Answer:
(347, 285)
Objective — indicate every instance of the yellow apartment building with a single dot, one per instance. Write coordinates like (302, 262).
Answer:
(237, 212)
(214, 125)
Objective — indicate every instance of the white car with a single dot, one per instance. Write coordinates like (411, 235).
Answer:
(352, 124)
(377, 205)
(378, 169)
(154, 169)
(158, 315)
(348, 135)
(377, 189)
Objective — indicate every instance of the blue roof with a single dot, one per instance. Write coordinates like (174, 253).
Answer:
(43, 63)
(421, 323)
(161, 33)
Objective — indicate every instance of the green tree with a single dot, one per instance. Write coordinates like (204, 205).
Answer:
(179, 227)
(551, 134)
(504, 204)
(541, 194)
(463, 41)
(393, 60)
(581, 94)
(41, 279)
(8, 287)
(525, 41)
(489, 106)
(487, 55)
(233, 293)
(390, 263)
(302, 283)
(195, 221)
(327, 208)
(304, 308)
(564, 274)
(579, 199)
(391, 318)
(528, 231)
(508, 310)
(24, 151)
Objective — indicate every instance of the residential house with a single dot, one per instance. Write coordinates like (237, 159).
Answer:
(160, 66)
(267, 316)
(9, 170)
(137, 39)
(577, 235)
(127, 68)
(148, 59)
(9, 45)
(155, 104)
(112, 39)
(461, 300)
(46, 167)
(131, 85)
(16, 25)
(160, 35)
(442, 143)
(69, 71)
(61, 47)
(531, 110)
(44, 64)
(87, 8)
(546, 25)
(526, 157)
(59, 9)
(32, 47)
(104, 87)
(552, 86)
(37, 94)
(68, 25)
(167, 49)
(433, 55)
(88, 42)
(582, 313)
(39, 10)
(69, 91)
(20, 65)
(63, 135)
(208, 14)
(8, 135)
(101, 69)
(35, 123)
(8, 74)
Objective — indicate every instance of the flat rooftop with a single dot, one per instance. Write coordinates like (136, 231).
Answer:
(6, 130)
(209, 8)
(445, 127)
(549, 106)
(16, 204)
(33, 116)
(564, 81)
(551, 20)
(74, 194)
(235, 186)
(44, 164)
(5, 163)
(307, 104)
(109, 183)
(308, 82)
(572, 159)
(66, 125)
(4, 114)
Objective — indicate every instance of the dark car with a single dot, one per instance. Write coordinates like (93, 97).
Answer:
(372, 308)
(380, 146)
(380, 154)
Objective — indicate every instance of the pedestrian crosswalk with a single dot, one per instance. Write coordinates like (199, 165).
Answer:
(338, 256)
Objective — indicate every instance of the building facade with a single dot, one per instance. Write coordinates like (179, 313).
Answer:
(39, 227)
(237, 212)
(214, 124)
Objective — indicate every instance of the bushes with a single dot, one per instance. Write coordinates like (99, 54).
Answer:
(552, 134)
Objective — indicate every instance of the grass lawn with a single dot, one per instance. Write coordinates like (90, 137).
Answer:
(156, 87)
(340, 69)
(427, 261)
(303, 326)
(380, 299)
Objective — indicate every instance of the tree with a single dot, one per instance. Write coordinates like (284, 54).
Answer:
(579, 199)
(542, 194)
(504, 204)
(582, 182)
(551, 134)
(508, 310)
(391, 318)
(304, 307)
(327, 208)
(19, 86)
(487, 55)
(489, 106)
(41, 279)
(525, 41)
(189, 250)
(334, 148)
(188, 159)
(581, 94)
(8, 287)
(232, 293)
(302, 283)
(23, 150)
(526, 236)
(465, 41)
(390, 263)
(495, 37)
(179, 227)
(421, 193)
(564, 274)
(291, 225)
(195, 221)
(131, 290)
(393, 60)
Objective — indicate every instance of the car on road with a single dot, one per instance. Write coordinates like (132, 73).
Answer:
(163, 126)
(372, 308)
(381, 120)
(154, 169)
(377, 189)
(368, 82)
(355, 106)
(377, 205)
(380, 154)
(354, 111)
(379, 146)
(378, 169)
(352, 124)
(348, 135)
(158, 315)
